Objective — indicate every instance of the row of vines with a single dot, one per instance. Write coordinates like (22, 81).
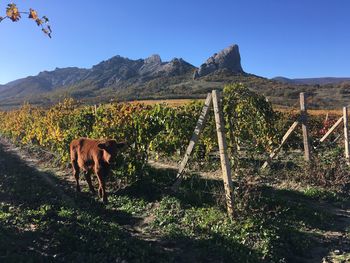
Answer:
(159, 130)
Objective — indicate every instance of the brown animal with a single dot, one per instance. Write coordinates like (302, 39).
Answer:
(94, 155)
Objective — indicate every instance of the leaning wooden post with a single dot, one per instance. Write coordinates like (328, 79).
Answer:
(331, 129)
(284, 139)
(194, 139)
(225, 163)
(303, 113)
(346, 134)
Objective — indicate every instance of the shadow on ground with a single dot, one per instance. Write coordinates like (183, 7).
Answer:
(50, 222)
(300, 226)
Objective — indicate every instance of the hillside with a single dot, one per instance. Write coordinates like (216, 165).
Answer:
(115, 74)
(123, 79)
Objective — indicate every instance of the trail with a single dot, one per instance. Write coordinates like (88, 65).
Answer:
(43, 168)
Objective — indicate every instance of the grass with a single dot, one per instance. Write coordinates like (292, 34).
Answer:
(146, 223)
(322, 194)
(339, 258)
(36, 225)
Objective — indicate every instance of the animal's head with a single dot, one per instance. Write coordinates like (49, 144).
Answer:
(111, 148)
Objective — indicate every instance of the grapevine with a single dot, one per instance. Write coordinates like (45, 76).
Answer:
(157, 130)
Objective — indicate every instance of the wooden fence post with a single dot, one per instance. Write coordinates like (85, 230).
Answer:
(194, 139)
(225, 163)
(303, 113)
(331, 129)
(346, 133)
(284, 139)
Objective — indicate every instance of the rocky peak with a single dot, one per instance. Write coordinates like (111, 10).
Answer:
(154, 59)
(62, 76)
(177, 66)
(150, 65)
(227, 59)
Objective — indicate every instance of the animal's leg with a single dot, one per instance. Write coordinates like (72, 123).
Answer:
(102, 187)
(76, 172)
(88, 180)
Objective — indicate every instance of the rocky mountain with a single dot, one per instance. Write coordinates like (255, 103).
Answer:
(114, 73)
(121, 77)
(119, 71)
(2, 87)
(228, 59)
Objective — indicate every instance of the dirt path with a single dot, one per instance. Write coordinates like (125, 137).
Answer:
(43, 167)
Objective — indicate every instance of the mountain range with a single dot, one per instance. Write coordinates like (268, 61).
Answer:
(312, 81)
(120, 78)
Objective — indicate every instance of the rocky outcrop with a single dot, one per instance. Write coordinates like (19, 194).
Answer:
(119, 70)
(150, 65)
(153, 66)
(228, 59)
(176, 67)
(63, 76)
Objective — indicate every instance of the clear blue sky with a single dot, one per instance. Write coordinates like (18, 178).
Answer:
(292, 38)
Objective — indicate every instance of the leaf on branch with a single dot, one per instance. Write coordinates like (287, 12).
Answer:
(47, 32)
(33, 14)
(38, 21)
(45, 27)
(12, 12)
(45, 19)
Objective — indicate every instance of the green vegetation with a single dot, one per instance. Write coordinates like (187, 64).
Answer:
(143, 223)
(284, 214)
